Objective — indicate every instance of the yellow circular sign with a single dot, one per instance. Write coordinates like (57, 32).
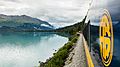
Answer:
(106, 38)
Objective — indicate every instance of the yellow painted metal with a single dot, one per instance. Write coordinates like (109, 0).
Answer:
(88, 56)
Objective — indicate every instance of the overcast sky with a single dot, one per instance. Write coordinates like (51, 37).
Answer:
(56, 12)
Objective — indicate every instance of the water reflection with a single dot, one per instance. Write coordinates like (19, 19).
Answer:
(116, 53)
(25, 49)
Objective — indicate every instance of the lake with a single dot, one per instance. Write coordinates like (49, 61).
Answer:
(26, 49)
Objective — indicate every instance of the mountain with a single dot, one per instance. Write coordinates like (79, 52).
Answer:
(94, 29)
(116, 27)
(22, 22)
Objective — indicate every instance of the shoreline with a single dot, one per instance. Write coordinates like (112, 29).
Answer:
(59, 58)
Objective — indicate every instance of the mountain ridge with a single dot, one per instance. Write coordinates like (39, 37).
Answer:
(23, 21)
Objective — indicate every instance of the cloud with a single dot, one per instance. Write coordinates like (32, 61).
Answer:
(98, 7)
(53, 11)
(12, 0)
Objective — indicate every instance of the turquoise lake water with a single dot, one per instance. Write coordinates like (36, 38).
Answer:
(26, 49)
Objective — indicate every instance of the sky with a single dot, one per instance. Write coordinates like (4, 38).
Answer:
(97, 9)
(59, 13)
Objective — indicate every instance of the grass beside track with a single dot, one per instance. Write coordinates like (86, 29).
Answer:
(59, 58)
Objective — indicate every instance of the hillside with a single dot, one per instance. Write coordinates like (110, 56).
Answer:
(72, 29)
(22, 22)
